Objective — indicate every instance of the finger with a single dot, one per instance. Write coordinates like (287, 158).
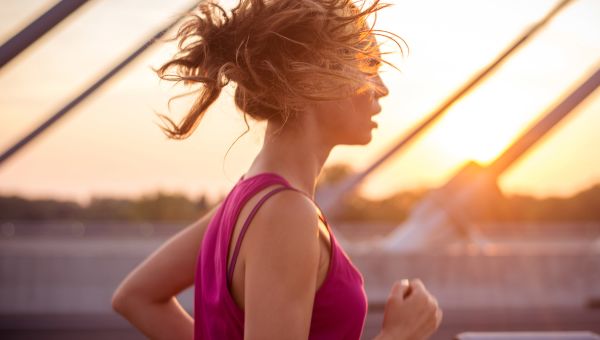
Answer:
(438, 317)
(433, 302)
(417, 283)
(400, 288)
(417, 287)
(406, 289)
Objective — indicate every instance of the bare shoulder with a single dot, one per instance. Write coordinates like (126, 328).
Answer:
(281, 267)
(287, 216)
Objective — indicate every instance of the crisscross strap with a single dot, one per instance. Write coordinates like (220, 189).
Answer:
(249, 219)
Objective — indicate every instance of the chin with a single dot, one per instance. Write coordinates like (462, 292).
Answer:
(367, 141)
(364, 140)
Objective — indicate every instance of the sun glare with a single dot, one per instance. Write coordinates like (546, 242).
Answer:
(476, 129)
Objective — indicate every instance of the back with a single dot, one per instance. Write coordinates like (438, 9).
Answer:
(340, 304)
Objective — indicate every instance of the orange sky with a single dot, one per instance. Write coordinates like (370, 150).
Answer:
(111, 145)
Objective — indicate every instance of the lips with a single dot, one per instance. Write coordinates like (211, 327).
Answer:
(377, 110)
(374, 123)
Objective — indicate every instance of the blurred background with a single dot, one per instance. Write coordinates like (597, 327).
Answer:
(482, 179)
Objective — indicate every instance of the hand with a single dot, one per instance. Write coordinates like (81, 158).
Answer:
(411, 312)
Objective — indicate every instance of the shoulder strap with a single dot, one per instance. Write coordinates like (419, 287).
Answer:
(245, 227)
(251, 216)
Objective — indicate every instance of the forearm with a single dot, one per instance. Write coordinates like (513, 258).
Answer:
(166, 320)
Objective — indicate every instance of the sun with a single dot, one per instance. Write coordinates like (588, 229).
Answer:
(475, 130)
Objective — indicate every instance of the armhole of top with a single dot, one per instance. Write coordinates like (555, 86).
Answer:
(238, 244)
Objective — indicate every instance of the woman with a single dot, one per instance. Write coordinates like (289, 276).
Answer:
(309, 68)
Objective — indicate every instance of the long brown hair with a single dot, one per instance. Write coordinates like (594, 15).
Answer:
(278, 53)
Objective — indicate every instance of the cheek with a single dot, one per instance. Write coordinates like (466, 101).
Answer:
(336, 114)
(346, 121)
(362, 102)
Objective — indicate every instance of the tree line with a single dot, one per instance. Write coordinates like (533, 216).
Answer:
(163, 207)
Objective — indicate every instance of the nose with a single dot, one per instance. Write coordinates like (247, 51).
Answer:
(380, 89)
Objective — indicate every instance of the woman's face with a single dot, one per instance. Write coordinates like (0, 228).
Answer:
(349, 121)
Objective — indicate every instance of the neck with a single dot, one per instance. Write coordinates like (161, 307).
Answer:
(297, 152)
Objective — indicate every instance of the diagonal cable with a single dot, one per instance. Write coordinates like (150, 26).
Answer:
(334, 195)
(38, 28)
(81, 97)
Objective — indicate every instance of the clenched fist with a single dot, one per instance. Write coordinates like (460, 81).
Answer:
(411, 312)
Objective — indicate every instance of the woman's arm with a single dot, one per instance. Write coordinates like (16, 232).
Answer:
(280, 272)
(146, 297)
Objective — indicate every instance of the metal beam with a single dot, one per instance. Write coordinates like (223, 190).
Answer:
(541, 128)
(445, 215)
(36, 29)
(330, 197)
(77, 100)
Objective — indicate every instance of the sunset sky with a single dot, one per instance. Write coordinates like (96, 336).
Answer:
(111, 146)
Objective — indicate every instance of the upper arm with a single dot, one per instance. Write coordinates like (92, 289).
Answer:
(169, 269)
(281, 268)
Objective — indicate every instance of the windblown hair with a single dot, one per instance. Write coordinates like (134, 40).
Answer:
(279, 53)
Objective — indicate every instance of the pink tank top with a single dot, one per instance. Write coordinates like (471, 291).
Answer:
(340, 305)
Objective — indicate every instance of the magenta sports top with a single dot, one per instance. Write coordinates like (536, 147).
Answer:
(340, 305)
